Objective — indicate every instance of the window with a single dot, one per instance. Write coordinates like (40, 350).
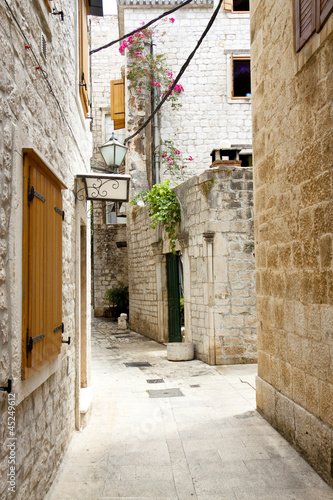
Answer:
(241, 78)
(83, 56)
(115, 213)
(118, 103)
(42, 265)
(310, 17)
(237, 5)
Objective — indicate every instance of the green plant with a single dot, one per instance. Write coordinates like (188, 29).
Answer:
(164, 207)
(119, 297)
(207, 186)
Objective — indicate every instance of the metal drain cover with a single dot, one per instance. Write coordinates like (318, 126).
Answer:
(165, 393)
(155, 381)
(195, 385)
(137, 364)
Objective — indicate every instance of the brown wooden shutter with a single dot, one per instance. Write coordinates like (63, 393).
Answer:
(83, 56)
(305, 21)
(42, 265)
(227, 5)
(324, 9)
(118, 103)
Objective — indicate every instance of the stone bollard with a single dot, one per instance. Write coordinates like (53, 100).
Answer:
(122, 322)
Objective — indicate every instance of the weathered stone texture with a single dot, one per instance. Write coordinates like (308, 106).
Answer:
(142, 276)
(219, 290)
(30, 118)
(292, 117)
(208, 117)
(110, 267)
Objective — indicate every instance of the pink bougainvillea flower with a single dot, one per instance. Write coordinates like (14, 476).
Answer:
(171, 19)
(190, 158)
(139, 91)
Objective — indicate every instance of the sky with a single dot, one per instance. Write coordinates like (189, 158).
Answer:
(109, 7)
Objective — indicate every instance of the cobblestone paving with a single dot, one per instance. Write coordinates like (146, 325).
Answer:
(207, 443)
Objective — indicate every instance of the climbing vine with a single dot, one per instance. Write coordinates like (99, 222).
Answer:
(163, 206)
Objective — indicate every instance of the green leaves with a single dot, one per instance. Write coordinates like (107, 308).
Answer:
(163, 206)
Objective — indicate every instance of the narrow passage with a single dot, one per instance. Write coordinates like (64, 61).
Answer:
(186, 430)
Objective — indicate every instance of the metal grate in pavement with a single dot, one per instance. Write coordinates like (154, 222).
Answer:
(155, 381)
(195, 385)
(165, 393)
(137, 364)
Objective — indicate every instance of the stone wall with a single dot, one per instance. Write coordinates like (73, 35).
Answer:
(216, 241)
(110, 267)
(208, 118)
(110, 262)
(292, 116)
(30, 118)
(142, 276)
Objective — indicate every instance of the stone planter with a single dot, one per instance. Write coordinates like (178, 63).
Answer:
(180, 351)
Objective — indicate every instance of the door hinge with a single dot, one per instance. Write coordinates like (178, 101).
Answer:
(61, 212)
(32, 193)
(32, 340)
(59, 328)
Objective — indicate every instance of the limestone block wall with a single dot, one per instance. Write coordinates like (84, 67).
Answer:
(110, 262)
(217, 223)
(216, 241)
(142, 277)
(292, 116)
(30, 118)
(208, 118)
(110, 267)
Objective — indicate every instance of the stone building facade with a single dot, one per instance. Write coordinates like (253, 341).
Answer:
(44, 142)
(292, 119)
(209, 118)
(212, 120)
(216, 242)
(110, 267)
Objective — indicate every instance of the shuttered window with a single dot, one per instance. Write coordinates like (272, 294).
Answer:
(310, 17)
(324, 9)
(42, 265)
(227, 5)
(83, 56)
(118, 103)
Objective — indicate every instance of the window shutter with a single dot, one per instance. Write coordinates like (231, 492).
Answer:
(118, 103)
(324, 9)
(83, 56)
(42, 265)
(305, 21)
(227, 5)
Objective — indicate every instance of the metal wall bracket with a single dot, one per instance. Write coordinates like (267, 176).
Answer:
(67, 341)
(7, 389)
(58, 13)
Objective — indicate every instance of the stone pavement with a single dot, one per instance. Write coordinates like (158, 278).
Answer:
(198, 437)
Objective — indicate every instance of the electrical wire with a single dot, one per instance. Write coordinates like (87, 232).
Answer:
(141, 28)
(181, 72)
(44, 75)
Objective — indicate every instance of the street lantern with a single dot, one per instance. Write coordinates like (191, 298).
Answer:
(113, 152)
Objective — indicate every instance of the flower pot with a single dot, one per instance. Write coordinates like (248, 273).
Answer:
(180, 351)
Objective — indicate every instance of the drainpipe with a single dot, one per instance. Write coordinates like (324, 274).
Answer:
(210, 343)
(155, 155)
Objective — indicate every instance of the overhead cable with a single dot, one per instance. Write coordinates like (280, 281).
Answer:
(178, 77)
(141, 28)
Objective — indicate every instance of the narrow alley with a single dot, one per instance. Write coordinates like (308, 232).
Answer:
(183, 430)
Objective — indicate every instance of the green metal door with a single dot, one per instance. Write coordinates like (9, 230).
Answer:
(173, 298)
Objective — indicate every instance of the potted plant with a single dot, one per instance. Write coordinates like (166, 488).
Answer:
(119, 300)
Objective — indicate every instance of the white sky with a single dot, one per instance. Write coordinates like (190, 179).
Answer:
(109, 7)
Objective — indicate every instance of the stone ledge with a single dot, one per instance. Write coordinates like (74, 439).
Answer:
(311, 437)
